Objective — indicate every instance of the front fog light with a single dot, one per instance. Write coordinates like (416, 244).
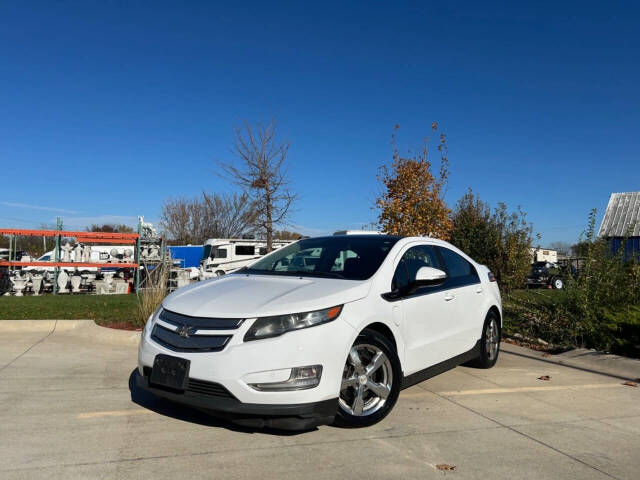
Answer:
(301, 378)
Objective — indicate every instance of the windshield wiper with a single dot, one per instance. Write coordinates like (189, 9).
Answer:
(313, 273)
(309, 273)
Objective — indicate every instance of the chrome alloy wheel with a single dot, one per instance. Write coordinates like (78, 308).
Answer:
(492, 339)
(366, 381)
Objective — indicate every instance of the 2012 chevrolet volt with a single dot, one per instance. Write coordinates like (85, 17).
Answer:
(324, 330)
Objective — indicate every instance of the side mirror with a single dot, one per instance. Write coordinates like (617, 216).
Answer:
(429, 276)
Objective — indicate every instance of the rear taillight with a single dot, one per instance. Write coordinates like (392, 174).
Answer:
(492, 277)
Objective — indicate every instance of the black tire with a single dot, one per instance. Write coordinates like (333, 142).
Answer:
(219, 273)
(367, 341)
(486, 359)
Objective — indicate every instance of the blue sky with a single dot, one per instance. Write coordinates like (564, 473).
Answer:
(109, 108)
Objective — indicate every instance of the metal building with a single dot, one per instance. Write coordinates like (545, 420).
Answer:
(622, 220)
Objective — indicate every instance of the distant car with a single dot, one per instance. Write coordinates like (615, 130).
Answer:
(324, 329)
(546, 275)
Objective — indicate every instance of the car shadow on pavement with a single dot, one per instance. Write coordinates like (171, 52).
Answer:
(185, 413)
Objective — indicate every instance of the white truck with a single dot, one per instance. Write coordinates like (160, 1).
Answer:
(224, 255)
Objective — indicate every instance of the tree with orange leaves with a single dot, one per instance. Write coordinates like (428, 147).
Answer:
(412, 199)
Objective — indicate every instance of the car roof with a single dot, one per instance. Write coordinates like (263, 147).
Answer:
(363, 235)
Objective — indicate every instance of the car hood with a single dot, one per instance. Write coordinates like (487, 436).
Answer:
(249, 296)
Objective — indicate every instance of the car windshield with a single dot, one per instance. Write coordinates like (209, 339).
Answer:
(350, 257)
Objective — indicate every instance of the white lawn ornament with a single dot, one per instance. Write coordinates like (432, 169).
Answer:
(86, 253)
(67, 252)
(63, 279)
(76, 280)
(108, 279)
(19, 284)
(154, 252)
(77, 253)
(36, 284)
(147, 229)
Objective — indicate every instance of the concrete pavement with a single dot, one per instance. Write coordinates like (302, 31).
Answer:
(69, 411)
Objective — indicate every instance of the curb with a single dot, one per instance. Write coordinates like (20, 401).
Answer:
(80, 328)
(590, 361)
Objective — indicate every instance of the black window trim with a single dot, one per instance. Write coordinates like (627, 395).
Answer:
(459, 283)
(394, 296)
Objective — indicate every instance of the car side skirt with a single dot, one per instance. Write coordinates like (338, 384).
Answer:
(442, 367)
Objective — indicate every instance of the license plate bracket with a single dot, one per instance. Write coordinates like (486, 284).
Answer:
(169, 371)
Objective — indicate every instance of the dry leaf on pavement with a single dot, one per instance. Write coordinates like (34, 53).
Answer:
(444, 466)
(630, 384)
(544, 377)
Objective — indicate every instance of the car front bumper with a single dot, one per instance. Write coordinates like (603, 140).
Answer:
(216, 400)
(220, 381)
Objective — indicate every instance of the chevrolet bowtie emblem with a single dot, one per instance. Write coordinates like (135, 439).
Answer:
(186, 331)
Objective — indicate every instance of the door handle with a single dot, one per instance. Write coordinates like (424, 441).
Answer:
(448, 297)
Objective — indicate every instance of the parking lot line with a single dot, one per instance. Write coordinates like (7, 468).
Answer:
(546, 388)
(113, 413)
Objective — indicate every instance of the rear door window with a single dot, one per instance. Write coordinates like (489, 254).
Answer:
(460, 272)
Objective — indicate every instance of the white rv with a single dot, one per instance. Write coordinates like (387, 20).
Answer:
(224, 255)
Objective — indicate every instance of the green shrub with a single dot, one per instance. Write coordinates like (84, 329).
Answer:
(599, 307)
(498, 239)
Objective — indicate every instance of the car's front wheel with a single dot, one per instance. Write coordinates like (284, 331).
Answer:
(371, 381)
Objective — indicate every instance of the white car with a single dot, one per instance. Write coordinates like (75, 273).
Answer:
(325, 329)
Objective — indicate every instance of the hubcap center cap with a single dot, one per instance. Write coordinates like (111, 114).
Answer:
(362, 379)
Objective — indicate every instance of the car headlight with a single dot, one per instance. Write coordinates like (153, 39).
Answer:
(267, 327)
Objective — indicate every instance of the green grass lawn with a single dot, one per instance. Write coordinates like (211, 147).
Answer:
(103, 309)
(541, 295)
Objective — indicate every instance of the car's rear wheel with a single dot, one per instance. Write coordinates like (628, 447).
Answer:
(371, 381)
(558, 284)
(489, 343)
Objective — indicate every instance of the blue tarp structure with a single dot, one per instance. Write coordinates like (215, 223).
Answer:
(189, 255)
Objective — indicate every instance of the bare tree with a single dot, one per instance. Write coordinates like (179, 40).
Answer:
(210, 216)
(228, 216)
(286, 235)
(176, 220)
(110, 228)
(563, 248)
(261, 173)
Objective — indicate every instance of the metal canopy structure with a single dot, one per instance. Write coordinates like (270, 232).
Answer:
(107, 238)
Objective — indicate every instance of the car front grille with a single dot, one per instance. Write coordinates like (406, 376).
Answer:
(183, 333)
(207, 323)
(208, 388)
